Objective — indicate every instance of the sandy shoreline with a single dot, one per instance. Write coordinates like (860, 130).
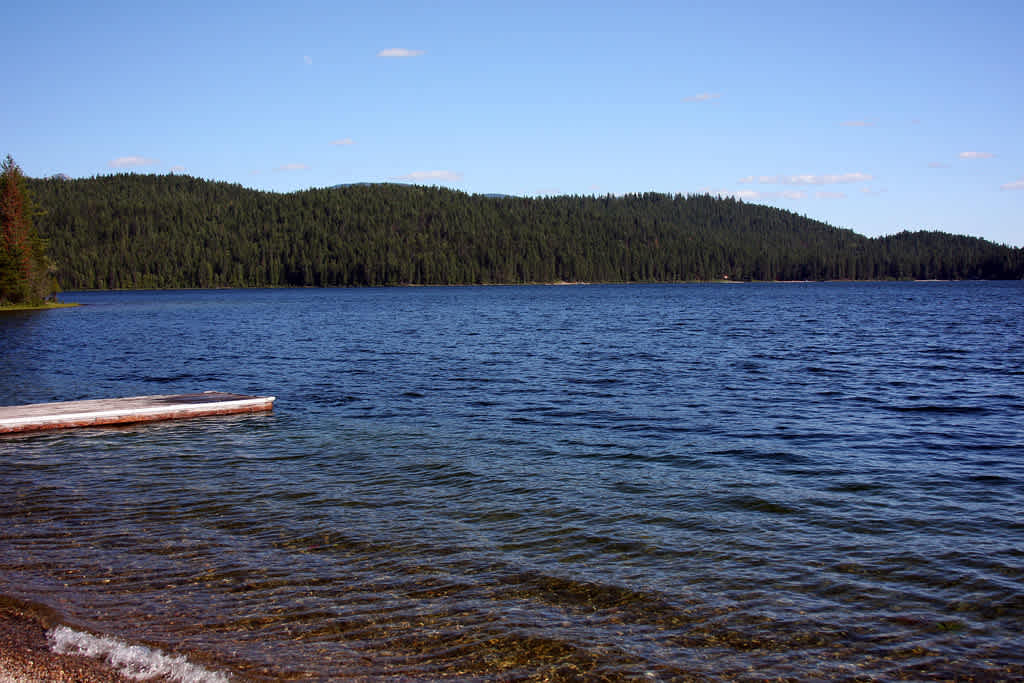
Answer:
(25, 655)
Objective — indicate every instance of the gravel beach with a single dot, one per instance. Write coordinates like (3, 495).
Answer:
(25, 655)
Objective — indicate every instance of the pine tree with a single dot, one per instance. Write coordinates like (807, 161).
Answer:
(26, 275)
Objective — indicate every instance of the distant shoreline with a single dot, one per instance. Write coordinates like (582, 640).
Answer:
(555, 283)
(43, 307)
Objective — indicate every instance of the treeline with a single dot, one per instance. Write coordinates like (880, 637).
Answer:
(148, 231)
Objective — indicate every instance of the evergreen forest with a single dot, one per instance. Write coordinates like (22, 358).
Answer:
(131, 231)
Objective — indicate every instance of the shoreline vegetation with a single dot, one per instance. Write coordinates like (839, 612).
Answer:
(26, 271)
(4, 308)
(131, 231)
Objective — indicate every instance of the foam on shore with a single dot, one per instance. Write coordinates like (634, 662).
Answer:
(134, 661)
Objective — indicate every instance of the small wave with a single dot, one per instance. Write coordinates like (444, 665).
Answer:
(758, 504)
(992, 479)
(951, 410)
(858, 487)
(594, 381)
(135, 661)
(166, 379)
(950, 352)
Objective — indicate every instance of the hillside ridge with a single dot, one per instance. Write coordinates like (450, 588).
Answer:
(176, 231)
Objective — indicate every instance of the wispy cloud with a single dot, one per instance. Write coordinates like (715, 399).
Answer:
(829, 179)
(400, 52)
(307, 59)
(177, 169)
(423, 176)
(937, 164)
(130, 162)
(1015, 185)
(292, 167)
(776, 195)
(976, 155)
(757, 195)
(703, 97)
(343, 141)
(856, 124)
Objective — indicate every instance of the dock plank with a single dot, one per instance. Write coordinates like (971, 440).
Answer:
(67, 414)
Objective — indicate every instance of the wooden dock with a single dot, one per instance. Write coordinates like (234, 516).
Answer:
(38, 416)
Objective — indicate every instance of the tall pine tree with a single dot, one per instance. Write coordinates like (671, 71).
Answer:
(26, 274)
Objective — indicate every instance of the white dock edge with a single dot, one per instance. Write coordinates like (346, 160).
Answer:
(39, 416)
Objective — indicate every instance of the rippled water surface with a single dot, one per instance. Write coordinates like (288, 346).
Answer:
(720, 481)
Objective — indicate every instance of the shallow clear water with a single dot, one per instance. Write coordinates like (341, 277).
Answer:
(813, 480)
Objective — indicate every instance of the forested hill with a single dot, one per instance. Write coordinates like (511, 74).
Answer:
(149, 231)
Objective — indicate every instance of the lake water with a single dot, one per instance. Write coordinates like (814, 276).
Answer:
(602, 482)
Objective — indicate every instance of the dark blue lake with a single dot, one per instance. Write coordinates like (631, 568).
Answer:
(603, 482)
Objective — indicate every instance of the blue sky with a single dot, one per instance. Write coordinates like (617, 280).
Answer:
(873, 116)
